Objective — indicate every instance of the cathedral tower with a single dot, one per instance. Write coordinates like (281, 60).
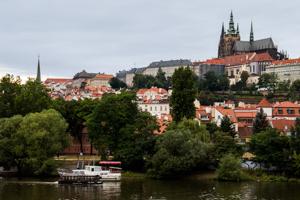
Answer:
(228, 39)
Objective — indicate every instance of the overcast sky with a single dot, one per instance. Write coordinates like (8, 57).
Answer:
(111, 35)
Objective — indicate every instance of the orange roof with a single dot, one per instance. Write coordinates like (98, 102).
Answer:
(227, 112)
(153, 89)
(282, 124)
(264, 103)
(239, 59)
(262, 57)
(57, 80)
(104, 76)
(286, 104)
(213, 61)
(245, 114)
(286, 62)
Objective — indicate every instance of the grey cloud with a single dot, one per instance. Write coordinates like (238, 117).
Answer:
(110, 35)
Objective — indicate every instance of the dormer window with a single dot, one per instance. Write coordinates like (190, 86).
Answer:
(290, 111)
(280, 111)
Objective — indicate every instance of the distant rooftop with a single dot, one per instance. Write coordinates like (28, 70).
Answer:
(170, 63)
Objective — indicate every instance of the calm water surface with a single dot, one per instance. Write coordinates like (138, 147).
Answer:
(134, 188)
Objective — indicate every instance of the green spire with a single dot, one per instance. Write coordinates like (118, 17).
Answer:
(251, 33)
(222, 31)
(231, 29)
(237, 29)
(38, 74)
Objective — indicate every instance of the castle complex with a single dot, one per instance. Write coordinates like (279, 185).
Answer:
(231, 44)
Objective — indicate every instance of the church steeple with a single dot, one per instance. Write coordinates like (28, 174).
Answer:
(251, 33)
(222, 31)
(38, 74)
(237, 29)
(231, 29)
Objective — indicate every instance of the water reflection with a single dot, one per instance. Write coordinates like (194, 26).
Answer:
(135, 189)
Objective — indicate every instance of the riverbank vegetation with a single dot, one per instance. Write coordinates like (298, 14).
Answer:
(34, 128)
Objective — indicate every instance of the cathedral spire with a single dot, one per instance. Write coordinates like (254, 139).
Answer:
(222, 31)
(237, 29)
(38, 74)
(251, 33)
(231, 29)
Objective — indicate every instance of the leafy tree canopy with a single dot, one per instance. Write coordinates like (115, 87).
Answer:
(30, 142)
(183, 94)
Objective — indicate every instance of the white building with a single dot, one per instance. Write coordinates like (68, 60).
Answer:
(286, 70)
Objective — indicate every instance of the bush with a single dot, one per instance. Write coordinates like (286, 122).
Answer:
(178, 152)
(230, 169)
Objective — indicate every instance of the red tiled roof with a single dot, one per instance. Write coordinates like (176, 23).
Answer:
(239, 59)
(104, 76)
(262, 57)
(245, 114)
(286, 104)
(153, 89)
(227, 112)
(264, 103)
(57, 80)
(282, 125)
(286, 62)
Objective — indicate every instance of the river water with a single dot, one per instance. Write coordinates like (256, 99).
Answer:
(137, 188)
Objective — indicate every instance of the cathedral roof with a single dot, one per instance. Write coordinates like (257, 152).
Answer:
(170, 63)
(246, 46)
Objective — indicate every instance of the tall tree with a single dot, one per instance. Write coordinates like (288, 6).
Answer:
(227, 126)
(244, 78)
(10, 88)
(33, 98)
(183, 94)
(260, 122)
(30, 142)
(269, 81)
(116, 83)
(143, 81)
(110, 115)
(161, 80)
(295, 90)
(270, 148)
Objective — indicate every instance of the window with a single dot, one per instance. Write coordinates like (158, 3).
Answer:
(290, 111)
(280, 111)
(237, 71)
(160, 108)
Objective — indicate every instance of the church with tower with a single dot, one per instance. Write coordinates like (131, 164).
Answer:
(231, 44)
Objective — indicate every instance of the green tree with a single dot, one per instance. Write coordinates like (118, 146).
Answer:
(295, 137)
(116, 83)
(9, 90)
(183, 94)
(161, 80)
(116, 126)
(223, 82)
(270, 148)
(269, 81)
(244, 78)
(225, 144)
(138, 142)
(227, 126)
(211, 81)
(178, 152)
(33, 97)
(230, 168)
(260, 122)
(30, 142)
(143, 81)
(76, 114)
(295, 90)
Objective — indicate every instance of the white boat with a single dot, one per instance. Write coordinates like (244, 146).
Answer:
(106, 171)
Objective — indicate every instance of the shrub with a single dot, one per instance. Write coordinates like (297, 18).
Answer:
(230, 169)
